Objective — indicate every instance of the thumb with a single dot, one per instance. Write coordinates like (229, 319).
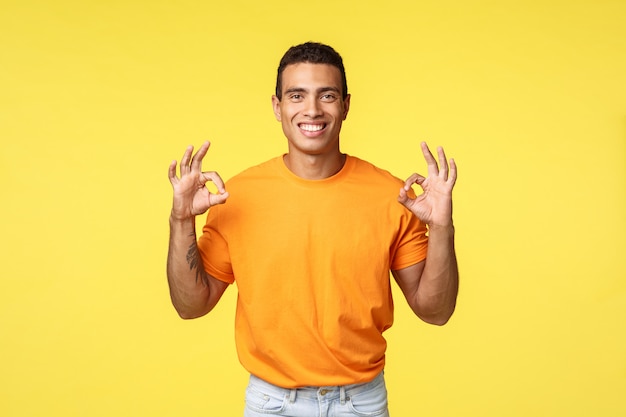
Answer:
(219, 198)
(403, 197)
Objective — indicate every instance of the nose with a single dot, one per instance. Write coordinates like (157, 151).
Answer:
(313, 108)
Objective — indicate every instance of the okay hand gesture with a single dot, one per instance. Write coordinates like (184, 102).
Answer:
(434, 205)
(191, 197)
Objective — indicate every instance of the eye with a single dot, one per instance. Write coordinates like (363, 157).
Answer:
(296, 97)
(328, 97)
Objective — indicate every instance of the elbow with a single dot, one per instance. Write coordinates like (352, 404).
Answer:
(189, 313)
(439, 320)
(437, 317)
(436, 310)
(189, 308)
(186, 315)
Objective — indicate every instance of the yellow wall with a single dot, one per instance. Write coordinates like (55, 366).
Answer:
(97, 97)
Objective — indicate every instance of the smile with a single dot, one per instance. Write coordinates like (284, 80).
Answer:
(312, 128)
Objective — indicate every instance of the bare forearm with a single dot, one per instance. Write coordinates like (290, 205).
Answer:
(439, 283)
(194, 292)
(188, 282)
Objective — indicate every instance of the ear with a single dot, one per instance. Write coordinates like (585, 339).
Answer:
(276, 107)
(346, 106)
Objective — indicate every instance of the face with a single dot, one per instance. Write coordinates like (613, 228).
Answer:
(312, 109)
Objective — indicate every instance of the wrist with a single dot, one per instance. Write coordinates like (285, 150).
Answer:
(182, 220)
(441, 228)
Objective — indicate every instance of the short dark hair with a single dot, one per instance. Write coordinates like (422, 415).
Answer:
(314, 53)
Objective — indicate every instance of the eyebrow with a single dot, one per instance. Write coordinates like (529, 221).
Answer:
(318, 91)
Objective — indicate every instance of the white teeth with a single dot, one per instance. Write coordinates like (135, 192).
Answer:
(311, 128)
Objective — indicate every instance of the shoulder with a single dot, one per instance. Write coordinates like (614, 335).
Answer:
(370, 171)
(263, 171)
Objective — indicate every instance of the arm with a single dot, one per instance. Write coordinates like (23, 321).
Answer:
(431, 286)
(193, 292)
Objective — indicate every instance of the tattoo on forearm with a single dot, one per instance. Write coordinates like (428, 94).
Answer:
(194, 261)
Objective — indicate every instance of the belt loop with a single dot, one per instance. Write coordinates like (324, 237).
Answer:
(342, 394)
(292, 395)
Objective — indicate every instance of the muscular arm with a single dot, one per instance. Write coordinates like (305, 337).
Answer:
(194, 292)
(431, 286)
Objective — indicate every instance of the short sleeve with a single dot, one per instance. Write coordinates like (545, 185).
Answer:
(411, 244)
(213, 249)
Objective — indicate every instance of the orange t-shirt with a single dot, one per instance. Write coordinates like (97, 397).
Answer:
(311, 260)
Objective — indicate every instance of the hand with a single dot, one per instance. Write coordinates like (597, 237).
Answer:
(434, 205)
(191, 197)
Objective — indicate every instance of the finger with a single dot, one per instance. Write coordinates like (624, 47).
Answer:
(171, 172)
(218, 198)
(403, 196)
(433, 170)
(409, 182)
(184, 162)
(453, 171)
(215, 178)
(443, 163)
(413, 179)
(196, 160)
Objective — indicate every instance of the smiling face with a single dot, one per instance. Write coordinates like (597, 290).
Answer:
(311, 110)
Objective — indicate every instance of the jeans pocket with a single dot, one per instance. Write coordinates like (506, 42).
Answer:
(264, 402)
(370, 404)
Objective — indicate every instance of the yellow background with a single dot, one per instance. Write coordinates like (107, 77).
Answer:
(97, 97)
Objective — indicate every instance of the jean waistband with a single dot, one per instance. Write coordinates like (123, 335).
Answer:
(329, 392)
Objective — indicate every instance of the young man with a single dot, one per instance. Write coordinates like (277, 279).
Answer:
(310, 238)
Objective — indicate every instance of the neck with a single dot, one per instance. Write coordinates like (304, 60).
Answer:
(314, 167)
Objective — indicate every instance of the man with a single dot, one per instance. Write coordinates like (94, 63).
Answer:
(310, 238)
